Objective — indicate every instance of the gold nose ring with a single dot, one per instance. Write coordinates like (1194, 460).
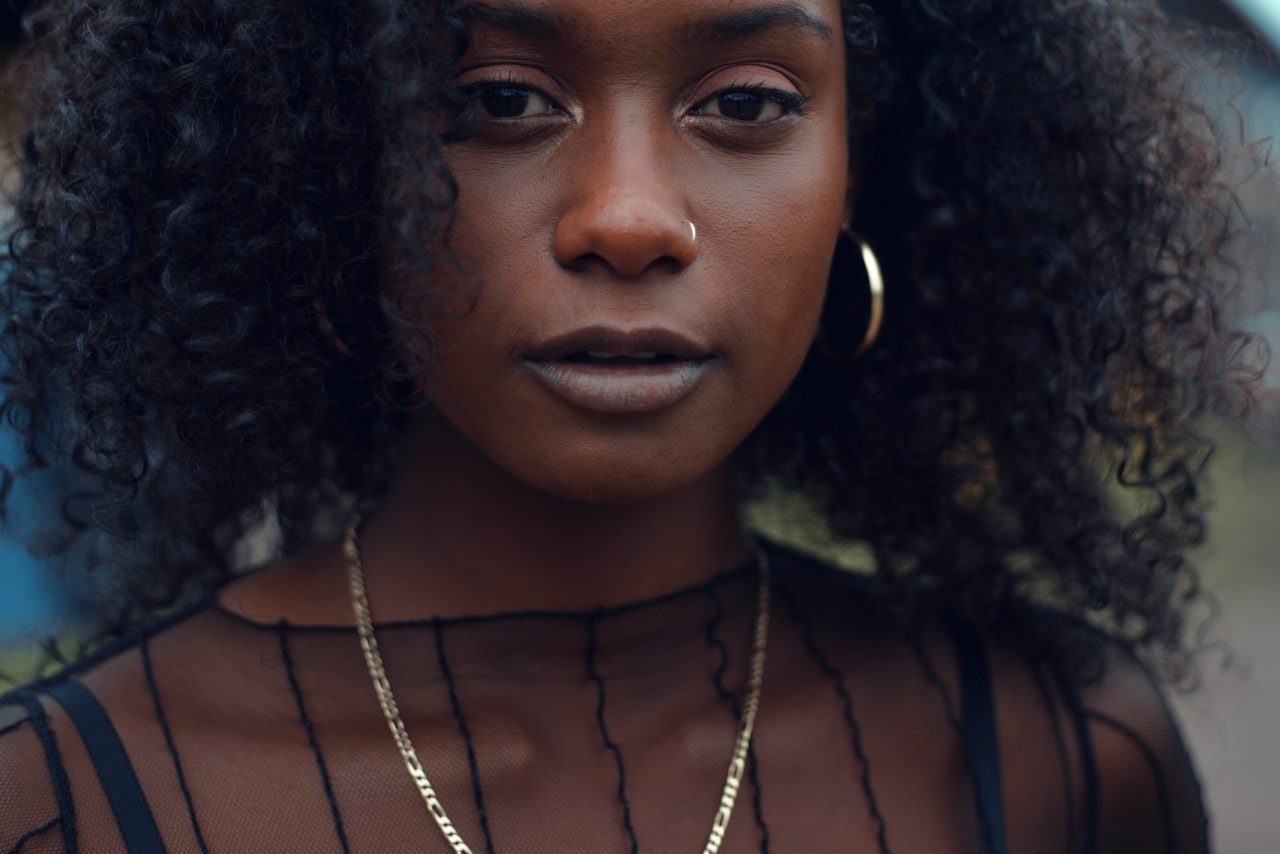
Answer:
(689, 251)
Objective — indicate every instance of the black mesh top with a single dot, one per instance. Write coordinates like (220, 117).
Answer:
(600, 732)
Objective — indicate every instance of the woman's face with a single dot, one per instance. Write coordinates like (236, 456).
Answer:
(648, 213)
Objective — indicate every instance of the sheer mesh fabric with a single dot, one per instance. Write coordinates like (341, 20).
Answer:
(598, 732)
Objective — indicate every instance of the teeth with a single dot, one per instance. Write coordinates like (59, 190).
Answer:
(645, 355)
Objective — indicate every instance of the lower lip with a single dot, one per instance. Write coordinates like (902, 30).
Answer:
(620, 389)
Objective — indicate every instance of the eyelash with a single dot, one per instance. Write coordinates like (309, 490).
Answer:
(472, 92)
(791, 103)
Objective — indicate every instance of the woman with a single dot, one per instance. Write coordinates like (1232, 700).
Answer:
(553, 293)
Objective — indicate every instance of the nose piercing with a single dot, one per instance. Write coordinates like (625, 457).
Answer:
(689, 251)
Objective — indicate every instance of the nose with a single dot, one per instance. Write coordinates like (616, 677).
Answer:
(626, 215)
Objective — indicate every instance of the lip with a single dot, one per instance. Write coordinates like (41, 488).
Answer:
(622, 342)
(624, 388)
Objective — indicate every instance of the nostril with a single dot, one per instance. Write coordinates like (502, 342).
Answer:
(584, 262)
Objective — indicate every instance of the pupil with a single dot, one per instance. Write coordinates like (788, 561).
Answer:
(745, 106)
(505, 102)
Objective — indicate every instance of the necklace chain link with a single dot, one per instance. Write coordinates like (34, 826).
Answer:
(390, 711)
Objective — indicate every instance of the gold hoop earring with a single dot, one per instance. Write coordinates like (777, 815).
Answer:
(875, 281)
(836, 312)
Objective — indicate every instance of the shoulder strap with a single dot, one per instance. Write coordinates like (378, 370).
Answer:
(982, 748)
(1088, 759)
(111, 762)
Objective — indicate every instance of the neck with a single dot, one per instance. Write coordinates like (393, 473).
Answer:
(457, 535)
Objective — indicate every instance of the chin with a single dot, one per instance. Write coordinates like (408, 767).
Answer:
(618, 482)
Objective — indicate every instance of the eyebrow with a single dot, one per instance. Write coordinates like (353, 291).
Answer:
(515, 17)
(740, 25)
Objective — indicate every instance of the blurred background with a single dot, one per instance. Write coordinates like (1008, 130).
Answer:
(1230, 720)
(32, 602)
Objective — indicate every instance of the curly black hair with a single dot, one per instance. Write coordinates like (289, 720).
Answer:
(200, 182)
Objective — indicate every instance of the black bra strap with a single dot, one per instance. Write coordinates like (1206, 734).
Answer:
(981, 745)
(115, 771)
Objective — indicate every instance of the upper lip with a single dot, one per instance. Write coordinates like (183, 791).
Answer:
(620, 342)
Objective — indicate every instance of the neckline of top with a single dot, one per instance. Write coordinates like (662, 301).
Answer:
(721, 579)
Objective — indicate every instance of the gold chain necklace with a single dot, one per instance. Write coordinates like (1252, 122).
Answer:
(382, 687)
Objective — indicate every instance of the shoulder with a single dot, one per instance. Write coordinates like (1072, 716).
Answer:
(1146, 777)
(1086, 758)
(36, 812)
(52, 796)
(1127, 781)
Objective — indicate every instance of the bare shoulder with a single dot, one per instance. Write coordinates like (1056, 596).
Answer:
(1104, 759)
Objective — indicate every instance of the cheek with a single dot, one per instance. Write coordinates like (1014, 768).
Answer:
(473, 299)
(781, 324)
(779, 267)
(778, 219)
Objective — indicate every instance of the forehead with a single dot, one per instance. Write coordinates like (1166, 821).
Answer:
(674, 22)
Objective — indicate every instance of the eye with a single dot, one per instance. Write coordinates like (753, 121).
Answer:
(754, 104)
(509, 100)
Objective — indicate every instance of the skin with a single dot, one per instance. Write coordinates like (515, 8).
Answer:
(617, 124)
